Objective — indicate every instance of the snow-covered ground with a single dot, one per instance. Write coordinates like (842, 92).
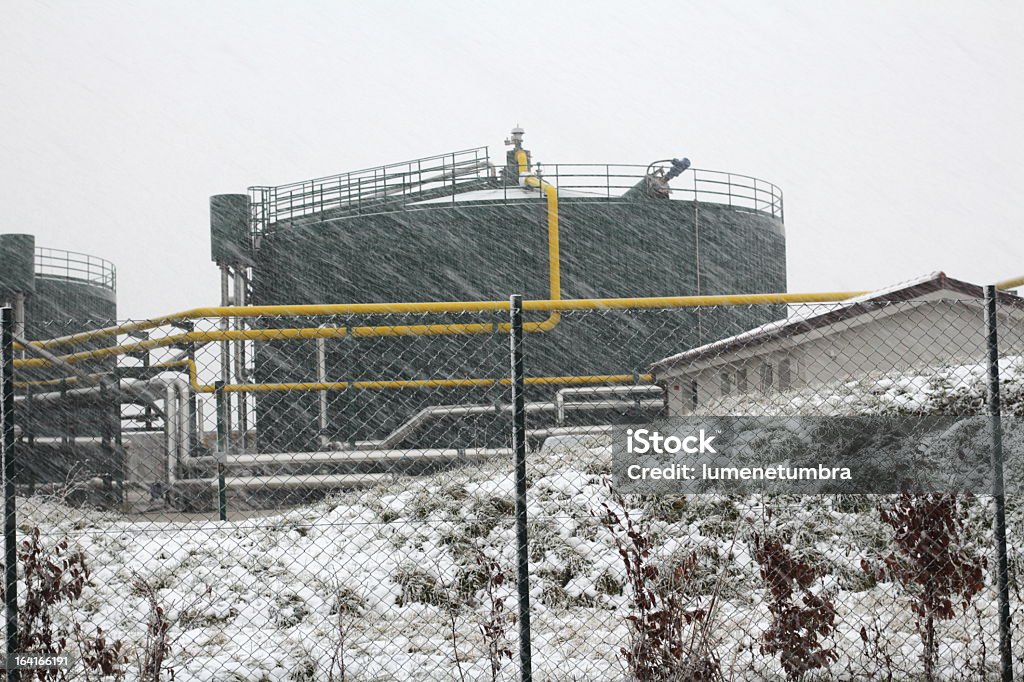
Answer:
(257, 599)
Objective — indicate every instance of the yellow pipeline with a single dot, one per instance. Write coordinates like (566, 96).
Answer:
(1010, 283)
(428, 383)
(193, 380)
(524, 164)
(554, 269)
(190, 365)
(410, 330)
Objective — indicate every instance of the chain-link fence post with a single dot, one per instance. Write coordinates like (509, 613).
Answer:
(10, 521)
(222, 450)
(519, 449)
(994, 410)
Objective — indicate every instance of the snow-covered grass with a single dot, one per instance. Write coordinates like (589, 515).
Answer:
(257, 599)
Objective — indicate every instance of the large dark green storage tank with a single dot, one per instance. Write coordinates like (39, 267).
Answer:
(485, 242)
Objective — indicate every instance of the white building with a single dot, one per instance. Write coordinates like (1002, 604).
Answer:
(929, 322)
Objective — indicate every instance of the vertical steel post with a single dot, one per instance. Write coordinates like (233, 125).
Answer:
(195, 419)
(222, 449)
(225, 346)
(998, 494)
(243, 403)
(19, 318)
(7, 323)
(321, 377)
(519, 448)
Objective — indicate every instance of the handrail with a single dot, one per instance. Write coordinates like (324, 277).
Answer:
(395, 186)
(612, 181)
(368, 186)
(76, 267)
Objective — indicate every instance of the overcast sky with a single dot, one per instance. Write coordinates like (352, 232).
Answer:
(894, 128)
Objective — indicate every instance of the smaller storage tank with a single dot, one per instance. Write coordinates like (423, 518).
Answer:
(73, 292)
(17, 276)
(63, 437)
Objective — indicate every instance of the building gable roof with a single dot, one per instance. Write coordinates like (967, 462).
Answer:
(801, 323)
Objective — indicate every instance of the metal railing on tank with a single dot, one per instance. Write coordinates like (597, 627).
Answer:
(75, 266)
(369, 189)
(613, 181)
(454, 177)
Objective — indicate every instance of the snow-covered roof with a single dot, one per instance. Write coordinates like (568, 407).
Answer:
(812, 317)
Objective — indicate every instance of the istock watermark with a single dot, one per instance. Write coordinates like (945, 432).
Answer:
(801, 455)
(642, 441)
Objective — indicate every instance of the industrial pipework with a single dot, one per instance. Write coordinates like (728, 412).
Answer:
(654, 184)
(527, 179)
(383, 308)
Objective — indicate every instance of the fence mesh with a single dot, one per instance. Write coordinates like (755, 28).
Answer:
(333, 498)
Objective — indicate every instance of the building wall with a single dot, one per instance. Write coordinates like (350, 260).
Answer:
(902, 337)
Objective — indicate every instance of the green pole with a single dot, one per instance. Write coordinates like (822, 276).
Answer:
(222, 451)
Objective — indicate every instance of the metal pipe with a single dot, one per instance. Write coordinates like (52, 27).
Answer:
(427, 414)
(190, 366)
(395, 438)
(133, 387)
(50, 358)
(171, 430)
(224, 411)
(200, 420)
(321, 377)
(19, 319)
(554, 259)
(240, 374)
(62, 441)
(1012, 283)
(424, 307)
(184, 423)
(561, 394)
(353, 456)
(542, 434)
(126, 384)
(176, 426)
(409, 383)
(283, 482)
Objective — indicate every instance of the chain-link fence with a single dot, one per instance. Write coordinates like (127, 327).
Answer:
(324, 496)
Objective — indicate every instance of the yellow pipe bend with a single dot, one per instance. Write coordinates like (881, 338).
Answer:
(554, 267)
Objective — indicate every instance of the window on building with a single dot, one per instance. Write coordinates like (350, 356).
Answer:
(785, 374)
(726, 377)
(741, 380)
(767, 376)
(694, 395)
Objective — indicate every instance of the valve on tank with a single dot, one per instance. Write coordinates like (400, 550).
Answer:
(514, 159)
(654, 184)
